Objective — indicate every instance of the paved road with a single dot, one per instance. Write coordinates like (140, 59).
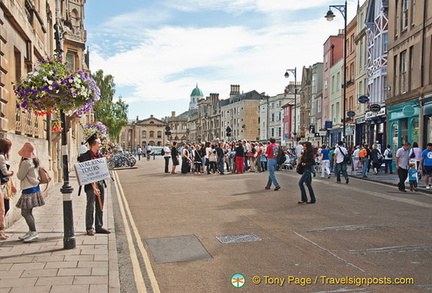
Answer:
(360, 230)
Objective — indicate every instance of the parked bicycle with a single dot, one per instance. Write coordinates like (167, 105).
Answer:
(117, 160)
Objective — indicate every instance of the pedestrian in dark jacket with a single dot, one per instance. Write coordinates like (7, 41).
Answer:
(95, 191)
(308, 161)
(376, 158)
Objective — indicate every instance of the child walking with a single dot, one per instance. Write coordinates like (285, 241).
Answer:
(31, 195)
(412, 177)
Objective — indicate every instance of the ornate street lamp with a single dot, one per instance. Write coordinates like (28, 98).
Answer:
(330, 16)
(294, 72)
(66, 190)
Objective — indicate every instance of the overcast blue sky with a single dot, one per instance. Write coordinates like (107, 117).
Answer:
(158, 51)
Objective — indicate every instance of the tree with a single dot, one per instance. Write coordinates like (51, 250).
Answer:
(113, 115)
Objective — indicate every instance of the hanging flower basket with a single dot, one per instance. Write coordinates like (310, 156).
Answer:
(52, 88)
(97, 128)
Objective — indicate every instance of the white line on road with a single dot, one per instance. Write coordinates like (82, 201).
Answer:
(325, 249)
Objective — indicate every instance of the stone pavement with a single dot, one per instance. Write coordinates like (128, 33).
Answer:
(44, 266)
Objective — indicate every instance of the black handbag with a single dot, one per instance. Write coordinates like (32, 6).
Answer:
(3, 178)
(300, 168)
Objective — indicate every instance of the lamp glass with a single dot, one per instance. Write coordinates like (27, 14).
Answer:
(330, 15)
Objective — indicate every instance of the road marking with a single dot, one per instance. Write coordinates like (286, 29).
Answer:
(332, 253)
(139, 279)
(138, 276)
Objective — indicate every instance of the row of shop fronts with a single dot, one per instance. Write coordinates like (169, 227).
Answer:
(406, 122)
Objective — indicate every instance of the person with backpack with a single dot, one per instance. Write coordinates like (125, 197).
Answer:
(364, 156)
(388, 160)
(341, 159)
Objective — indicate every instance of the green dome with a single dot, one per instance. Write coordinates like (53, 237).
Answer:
(197, 92)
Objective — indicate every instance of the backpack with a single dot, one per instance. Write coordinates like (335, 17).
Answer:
(281, 156)
(363, 153)
(162, 152)
(347, 156)
(44, 176)
(389, 154)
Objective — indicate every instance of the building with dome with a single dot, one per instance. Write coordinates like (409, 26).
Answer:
(195, 96)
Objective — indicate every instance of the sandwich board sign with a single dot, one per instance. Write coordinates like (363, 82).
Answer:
(92, 171)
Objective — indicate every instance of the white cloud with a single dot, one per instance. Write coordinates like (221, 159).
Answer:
(165, 63)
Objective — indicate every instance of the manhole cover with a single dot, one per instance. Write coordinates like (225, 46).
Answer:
(177, 249)
(238, 238)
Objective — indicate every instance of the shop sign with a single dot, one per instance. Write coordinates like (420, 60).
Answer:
(351, 113)
(375, 107)
(360, 120)
(363, 99)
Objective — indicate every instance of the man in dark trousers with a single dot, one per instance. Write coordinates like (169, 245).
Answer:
(95, 191)
(402, 165)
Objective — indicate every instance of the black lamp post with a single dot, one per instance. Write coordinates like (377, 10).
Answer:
(66, 190)
(330, 16)
(294, 72)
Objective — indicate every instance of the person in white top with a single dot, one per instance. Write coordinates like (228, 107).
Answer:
(148, 151)
(341, 164)
(167, 156)
(31, 196)
(299, 152)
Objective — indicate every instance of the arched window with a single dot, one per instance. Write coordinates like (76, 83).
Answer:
(152, 134)
(144, 134)
(159, 134)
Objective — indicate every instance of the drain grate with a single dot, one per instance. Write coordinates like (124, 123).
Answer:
(238, 238)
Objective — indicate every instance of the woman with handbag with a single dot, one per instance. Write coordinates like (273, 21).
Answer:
(31, 195)
(5, 146)
(307, 161)
(415, 154)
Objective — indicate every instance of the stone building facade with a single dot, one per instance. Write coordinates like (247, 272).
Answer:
(409, 102)
(27, 35)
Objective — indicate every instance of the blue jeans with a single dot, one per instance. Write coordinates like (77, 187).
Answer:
(306, 178)
(388, 166)
(365, 162)
(272, 164)
(220, 166)
(341, 168)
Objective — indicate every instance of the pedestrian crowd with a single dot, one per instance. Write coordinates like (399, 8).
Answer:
(243, 156)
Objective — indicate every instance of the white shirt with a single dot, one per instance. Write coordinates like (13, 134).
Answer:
(299, 150)
(167, 152)
(356, 153)
(339, 155)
